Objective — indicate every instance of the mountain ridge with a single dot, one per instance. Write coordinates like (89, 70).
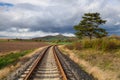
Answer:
(54, 38)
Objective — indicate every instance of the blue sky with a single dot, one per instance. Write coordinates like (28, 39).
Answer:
(5, 4)
(34, 18)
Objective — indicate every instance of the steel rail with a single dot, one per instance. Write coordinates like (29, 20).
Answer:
(39, 60)
(59, 65)
(35, 65)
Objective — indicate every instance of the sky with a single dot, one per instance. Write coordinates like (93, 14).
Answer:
(37, 18)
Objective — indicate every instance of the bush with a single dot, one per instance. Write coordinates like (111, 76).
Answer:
(86, 43)
(77, 45)
(74, 45)
(108, 44)
(70, 46)
(104, 44)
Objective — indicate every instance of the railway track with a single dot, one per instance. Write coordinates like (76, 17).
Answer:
(51, 64)
(45, 67)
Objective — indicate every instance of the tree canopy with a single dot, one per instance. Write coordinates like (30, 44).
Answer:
(89, 26)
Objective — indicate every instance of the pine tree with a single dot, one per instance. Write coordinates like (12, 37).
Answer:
(89, 26)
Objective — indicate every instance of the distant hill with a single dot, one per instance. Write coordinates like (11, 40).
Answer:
(54, 38)
(115, 36)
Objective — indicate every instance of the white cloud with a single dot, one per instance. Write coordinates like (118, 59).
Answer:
(53, 16)
(119, 15)
(117, 23)
(68, 34)
(23, 33)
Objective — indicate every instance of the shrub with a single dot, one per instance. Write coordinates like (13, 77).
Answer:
(109, 44)
(74, 45)
(86, 43)
(77, 45)
(70, 46)
(104, 44)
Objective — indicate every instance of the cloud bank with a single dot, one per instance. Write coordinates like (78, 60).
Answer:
(34, 18)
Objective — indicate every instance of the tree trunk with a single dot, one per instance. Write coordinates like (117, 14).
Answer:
(90, 38)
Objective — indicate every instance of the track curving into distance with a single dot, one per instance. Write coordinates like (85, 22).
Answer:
(45, 67)
(51, 64)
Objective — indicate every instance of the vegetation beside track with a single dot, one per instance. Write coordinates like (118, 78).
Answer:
(24, 56)
(59, 43)
(12, 58)
(103, 44)
(103, 53)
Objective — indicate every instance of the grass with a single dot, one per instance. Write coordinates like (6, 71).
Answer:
(3, 40)
(104, 44)
(7, 70)
(12, 58)
(103, 53)
(59, 43)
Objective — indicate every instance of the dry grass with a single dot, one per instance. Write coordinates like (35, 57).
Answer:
(95, 64)
(8, 69)
(103, 44)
